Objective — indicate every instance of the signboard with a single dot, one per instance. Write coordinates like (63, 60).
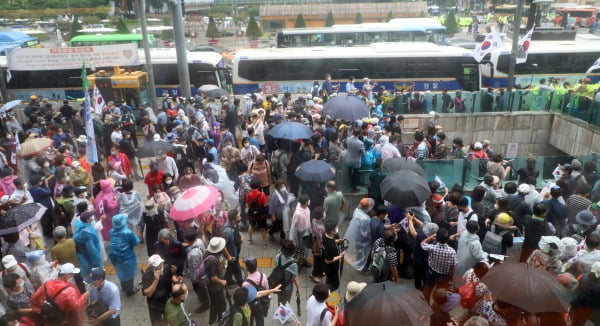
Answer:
(35, 59)
(512, 149)
(410, 123)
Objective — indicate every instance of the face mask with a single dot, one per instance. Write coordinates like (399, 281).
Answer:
(84, 195)
(9, 137)
(282, 189)
(336, 230)
(47, 165)
(495, 206)
(68, 178)
(168, 181)
(246, 145)
(164, 156)
(113, 152)
(188, 176)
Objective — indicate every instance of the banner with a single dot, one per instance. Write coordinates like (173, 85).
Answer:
(523, 47)
(34, 59)
(98, 101)
(91, 151)
(491, 42)
(594, 66)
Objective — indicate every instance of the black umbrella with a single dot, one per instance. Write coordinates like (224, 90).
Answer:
(316, 171)
(291, 130)
(153, 148)
(216, 93)
(19, 217)
(405, 188)
(401, 163)
(347, 108)
(387, 303)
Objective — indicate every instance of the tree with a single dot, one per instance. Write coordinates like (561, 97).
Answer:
(390, 16)
(300, 23)
(75, 28)
(122, 27)
(211, 30)
(329, 21)
(167, 35)
(451, 24)
(358, 19)
(253, 31)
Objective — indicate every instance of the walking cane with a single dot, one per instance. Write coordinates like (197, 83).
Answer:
(228, 296)
(298, 304)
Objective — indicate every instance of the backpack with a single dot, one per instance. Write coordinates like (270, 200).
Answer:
(227, 317)
(468, 296)
(276, 162)
(379, 267)
(278, 275)
(492, 242)
(422, 151)
(200, 275)
(256, 212)
(49, 310)
(259, 305)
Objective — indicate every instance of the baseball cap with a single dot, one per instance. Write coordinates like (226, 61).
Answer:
(9, 261)
(524, 189)
(478, 145)
(68, 268)
(155, 261)
(96, 274)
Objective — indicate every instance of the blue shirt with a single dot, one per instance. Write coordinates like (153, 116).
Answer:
(254, 141)
(161, 118)
(214, 152)
(377, 229)
(109, 295)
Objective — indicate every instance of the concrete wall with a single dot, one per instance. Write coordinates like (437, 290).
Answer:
(574, 136)
(532, 130)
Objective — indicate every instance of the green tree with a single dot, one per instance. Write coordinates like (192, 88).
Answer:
(75, 28)
(329, 21)
(211, 30)
(390, 16)
(122, 27)
(300, 23)
(253, 31)
(451, 24)
(358, 19)
(166, 35)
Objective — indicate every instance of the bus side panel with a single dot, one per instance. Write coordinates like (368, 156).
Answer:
(242, 89)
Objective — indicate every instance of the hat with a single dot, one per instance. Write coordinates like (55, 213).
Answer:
(586, 217)
(156, 137)
(504, 220)
(430, 228)
(174, 190)
(452, 301)
(251, 293)
(33, 97)
(567, 167)
(210, 141)
(576, 164)
(524, 189)
(353, 289)
(365, 202)
(96, 274)
(366, 78)
(495, 179)
(377, 129)
(33, 256)
(9, 261)
(549, 242)
(433, 113)
(68, 268)
(247, 96)
(36, 131)
(477, 145)
(82, 139)
(86, 216)
(75, 164)
(155, 261)
(216, 245)
(569, 246)
(170, 137)
(567, 280)
(149, 206)
(318, 100)
(438, 199)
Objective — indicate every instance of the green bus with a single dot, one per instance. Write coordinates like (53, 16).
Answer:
(107, 39)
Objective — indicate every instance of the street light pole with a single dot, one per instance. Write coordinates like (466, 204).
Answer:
(149, 69)
(513, 52)
(180, 47)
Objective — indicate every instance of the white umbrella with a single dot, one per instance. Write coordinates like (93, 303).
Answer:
(9, 105)
(208, 87)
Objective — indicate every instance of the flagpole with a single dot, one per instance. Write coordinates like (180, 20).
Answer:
(513, 53)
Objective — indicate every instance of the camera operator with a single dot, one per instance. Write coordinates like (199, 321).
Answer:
(332, 255)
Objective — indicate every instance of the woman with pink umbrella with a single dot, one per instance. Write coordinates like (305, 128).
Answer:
(106, 204)
(193, 202)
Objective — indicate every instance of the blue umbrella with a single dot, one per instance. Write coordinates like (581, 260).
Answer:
(315, 171)
(291, 130)
(347, 108)
(9, 105)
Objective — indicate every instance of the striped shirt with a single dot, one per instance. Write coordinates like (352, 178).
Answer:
(390, 252)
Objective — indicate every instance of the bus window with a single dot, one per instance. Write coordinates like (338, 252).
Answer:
(400, 36)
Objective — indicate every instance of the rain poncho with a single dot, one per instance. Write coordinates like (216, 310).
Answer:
(106, 202)
(120, 251)
(88, 247)
(130, 204)
(224, 185)
(359, 238)
(41, 270)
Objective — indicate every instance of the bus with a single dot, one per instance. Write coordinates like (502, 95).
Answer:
(407, 66)
(204, 68)
(107, 39)
(397, 30)
(509, 11)
(555, 61)
(582, 16)
(18, 39)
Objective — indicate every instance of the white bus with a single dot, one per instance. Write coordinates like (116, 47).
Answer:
(204, 68)
(396, 66)
(561, 61)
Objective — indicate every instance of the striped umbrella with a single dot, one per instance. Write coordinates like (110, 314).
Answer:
(193, 202)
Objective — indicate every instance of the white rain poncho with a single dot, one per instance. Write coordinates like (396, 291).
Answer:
(358, 235)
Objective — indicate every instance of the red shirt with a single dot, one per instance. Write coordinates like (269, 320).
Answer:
(256, 195)
(153, 179)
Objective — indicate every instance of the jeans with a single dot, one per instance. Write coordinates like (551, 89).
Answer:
(234, 270)
(127, 287)
(354, 177)
(217, 304)
(318, 266)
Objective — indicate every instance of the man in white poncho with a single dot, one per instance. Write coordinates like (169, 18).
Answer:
(359, 235)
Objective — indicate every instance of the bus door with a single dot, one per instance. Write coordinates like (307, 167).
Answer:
(469, 78)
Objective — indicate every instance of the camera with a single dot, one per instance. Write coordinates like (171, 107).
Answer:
(343, 246)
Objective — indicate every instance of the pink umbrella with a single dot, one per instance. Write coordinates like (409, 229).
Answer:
(193, 202)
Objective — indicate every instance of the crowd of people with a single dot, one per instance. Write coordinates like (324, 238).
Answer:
(94, 215)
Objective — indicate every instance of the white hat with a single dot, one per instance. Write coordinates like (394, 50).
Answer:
(524, 189)
(75, 164)
(216, 245)
(82, 139)
(478, 145)
(68, 268)
(155, 261)
(9, 261)
(156, 137)
(353, 289)
(247, 96)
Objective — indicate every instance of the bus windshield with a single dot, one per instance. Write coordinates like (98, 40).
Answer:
(106, 39)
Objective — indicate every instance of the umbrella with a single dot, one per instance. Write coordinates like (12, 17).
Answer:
(208, 87)
(34, 146)
(9, 105)
(152, 148)
(291, 130)
(401, 163)
(193, 202)
(316, 171)
(387, 303)
(216, 93)
(532, 289)
(347, 108)
(405, 189)
(19, 217)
